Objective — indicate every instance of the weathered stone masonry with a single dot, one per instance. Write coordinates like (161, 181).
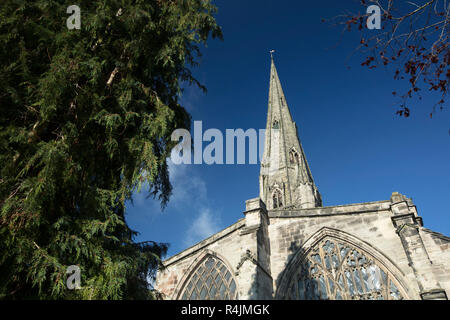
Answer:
(288, 245)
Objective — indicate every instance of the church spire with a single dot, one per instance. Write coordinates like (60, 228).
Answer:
(285, 178)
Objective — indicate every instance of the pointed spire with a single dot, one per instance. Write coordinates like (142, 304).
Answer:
(285, 179)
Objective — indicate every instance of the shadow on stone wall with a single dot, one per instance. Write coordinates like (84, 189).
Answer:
(284, 279)
(263, 286)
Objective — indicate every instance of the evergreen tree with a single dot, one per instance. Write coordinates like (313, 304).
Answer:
(86, 117)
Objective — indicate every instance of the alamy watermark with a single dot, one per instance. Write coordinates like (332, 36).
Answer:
(74, 20)
(213, 153)
(74, 279)
(374, 20)
(229, 148)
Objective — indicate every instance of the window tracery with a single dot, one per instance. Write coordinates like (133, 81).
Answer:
(335, 270)
(211, 281)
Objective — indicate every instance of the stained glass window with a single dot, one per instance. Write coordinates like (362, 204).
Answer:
(335, 270)
(210, 281)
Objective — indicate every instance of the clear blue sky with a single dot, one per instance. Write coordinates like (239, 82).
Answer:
(357, 148)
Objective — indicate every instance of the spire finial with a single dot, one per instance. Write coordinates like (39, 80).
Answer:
(271, 53)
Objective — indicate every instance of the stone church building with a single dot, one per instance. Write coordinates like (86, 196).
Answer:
(288, 246)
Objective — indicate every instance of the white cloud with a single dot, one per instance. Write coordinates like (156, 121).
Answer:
(190, 193)
(204, 225)
(187, 186)
(189, 201)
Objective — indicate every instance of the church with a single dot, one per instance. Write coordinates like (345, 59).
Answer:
(288, 246)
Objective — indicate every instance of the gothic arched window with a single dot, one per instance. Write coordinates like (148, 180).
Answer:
(335, 270)
(277, 199)
(276, 124)
(210, 281)
(293, 157)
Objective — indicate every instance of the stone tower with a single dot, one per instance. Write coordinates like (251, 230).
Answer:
(285, 178)
(288, 246)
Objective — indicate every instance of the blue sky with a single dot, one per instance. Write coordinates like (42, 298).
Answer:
(357, 148)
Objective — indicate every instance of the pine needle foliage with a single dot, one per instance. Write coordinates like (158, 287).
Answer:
(85, 119)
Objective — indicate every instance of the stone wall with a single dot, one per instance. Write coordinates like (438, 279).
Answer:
(245, 249)
(225, 244)
(258, 248)
(438, 248)
(369, 222)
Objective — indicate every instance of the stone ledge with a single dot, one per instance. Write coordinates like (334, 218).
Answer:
(254, 204)
(436, 294)
(248, 255)
(436, 234)
(251, 229)
(408, 218)
(332, 210)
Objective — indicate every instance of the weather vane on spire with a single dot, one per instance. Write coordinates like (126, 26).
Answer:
(271, 53)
